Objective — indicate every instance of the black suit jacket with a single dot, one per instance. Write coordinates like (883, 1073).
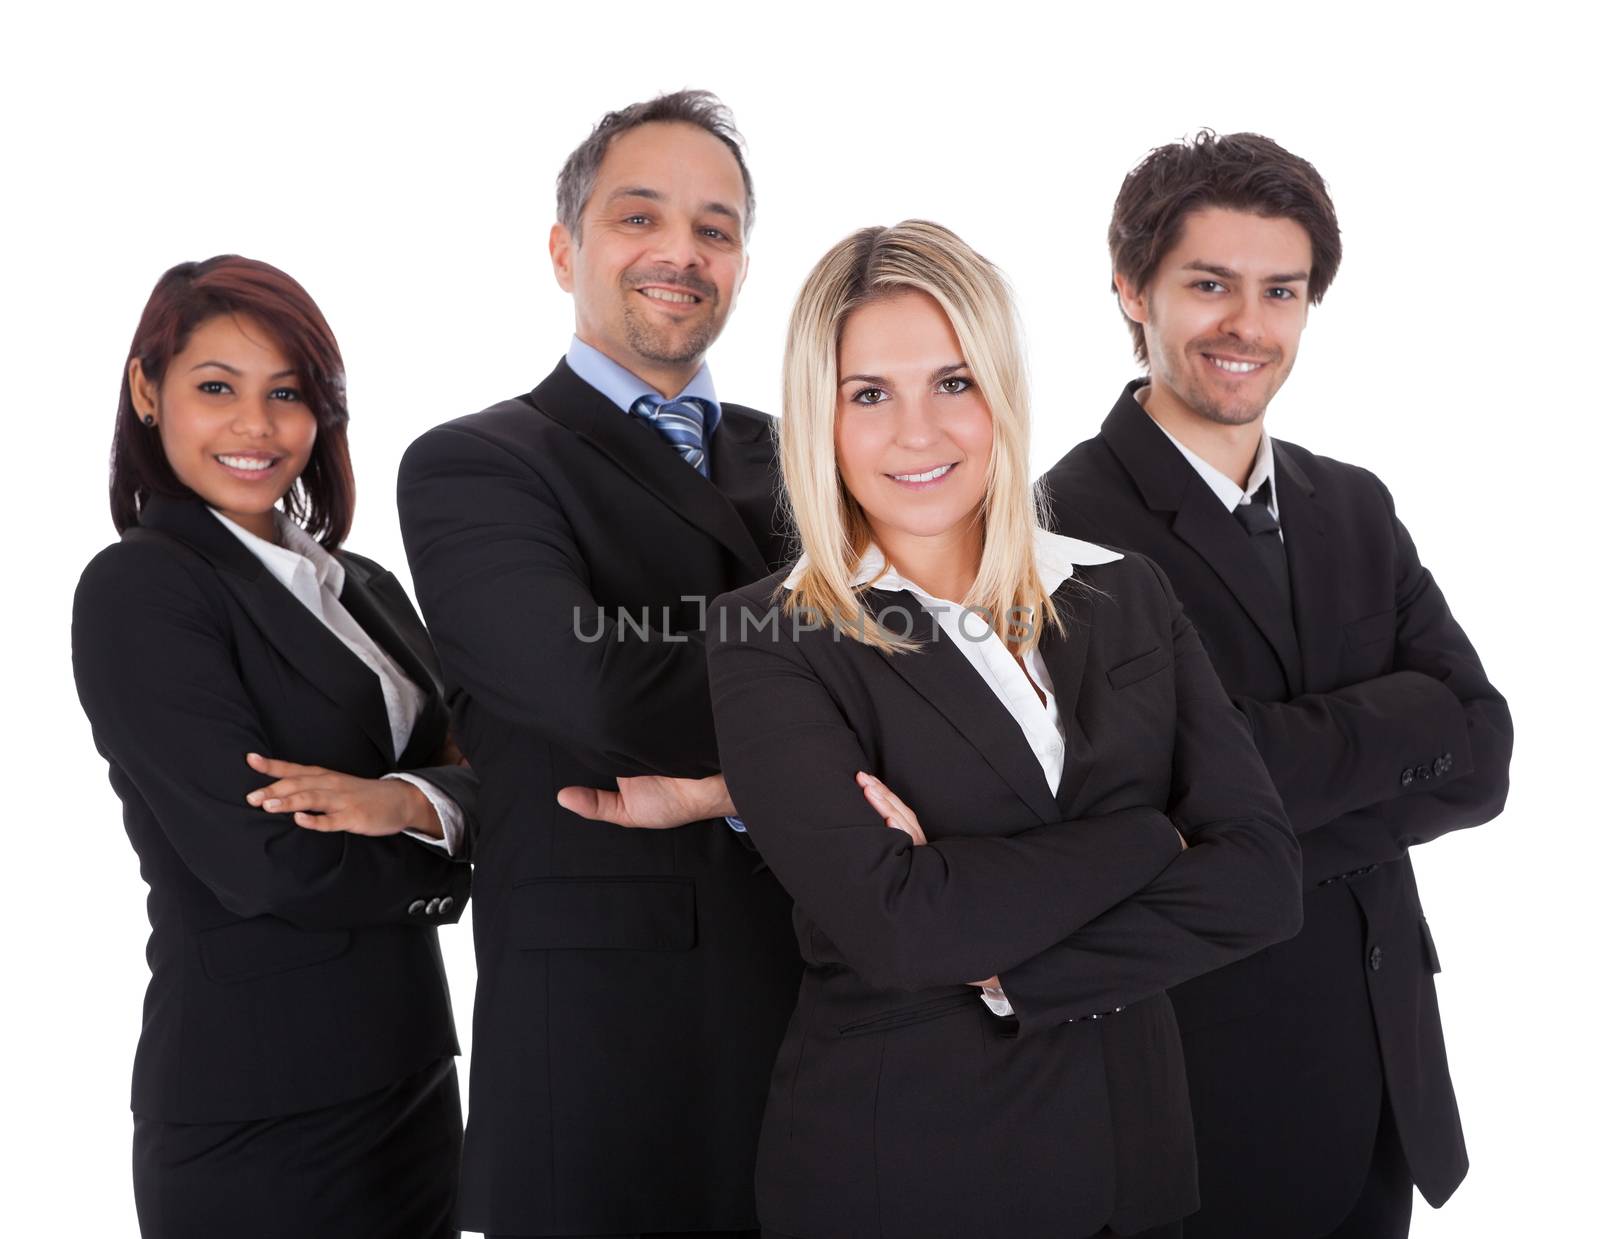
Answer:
(1381, 731)
(900, 1107)
(290, 969)
(632, 984)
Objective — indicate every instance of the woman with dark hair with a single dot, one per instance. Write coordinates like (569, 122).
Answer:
(271, 710)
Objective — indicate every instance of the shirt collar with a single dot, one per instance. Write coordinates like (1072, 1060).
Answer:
(1054, 556)
(1224, 487)
(622, 386)
(299, 549)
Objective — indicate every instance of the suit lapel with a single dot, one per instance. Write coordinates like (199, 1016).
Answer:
(293, 631)
(1313, 571)
(949, 683)
(1065, 657)
(366, 607)
(1168, 483)
(641, 453)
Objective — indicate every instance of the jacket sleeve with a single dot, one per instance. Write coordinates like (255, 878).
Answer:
(460, 784)
(507, 597)
(158, 679)
(903, 916)
(1430, 742)
(1234, 890)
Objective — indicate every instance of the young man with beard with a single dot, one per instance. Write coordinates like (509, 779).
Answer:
(1317, 1068)
(633, 984)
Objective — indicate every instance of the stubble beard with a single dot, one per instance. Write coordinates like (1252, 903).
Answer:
(670, 348)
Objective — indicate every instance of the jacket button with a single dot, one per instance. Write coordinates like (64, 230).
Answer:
(1407, 776)
(417, 908)
(1440, 766)
(433, 906)
(446, 904)
(1375, 958)
(1449, 761)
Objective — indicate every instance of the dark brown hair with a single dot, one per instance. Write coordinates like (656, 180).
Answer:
(1240, 171)
(323, 497)
(700, 108)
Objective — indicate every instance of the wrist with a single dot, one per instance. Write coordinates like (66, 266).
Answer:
(419, 815)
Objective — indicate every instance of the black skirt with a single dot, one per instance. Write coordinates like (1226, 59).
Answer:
(382, 1166)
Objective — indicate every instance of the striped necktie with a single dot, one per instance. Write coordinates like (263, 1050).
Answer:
(685, 423)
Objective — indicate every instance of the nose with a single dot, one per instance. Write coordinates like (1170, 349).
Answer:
(254, 417)
(1243, 320)
(678, 245)
(915, 427)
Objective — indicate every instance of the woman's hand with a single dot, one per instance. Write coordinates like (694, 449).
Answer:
(650, 801)
(327, 800)
(894, 811)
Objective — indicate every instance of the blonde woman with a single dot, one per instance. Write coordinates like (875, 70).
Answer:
(982, 1044)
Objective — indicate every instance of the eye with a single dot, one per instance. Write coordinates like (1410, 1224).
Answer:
(716, 234)
(870, 395)
(1281, 294)
(286, 393)
(636, 219)
(1207, 286)
(213, 387)
(955, 385)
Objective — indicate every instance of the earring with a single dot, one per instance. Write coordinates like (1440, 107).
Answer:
(149, 419)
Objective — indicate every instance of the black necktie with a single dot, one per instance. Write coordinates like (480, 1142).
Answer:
(1262, 526)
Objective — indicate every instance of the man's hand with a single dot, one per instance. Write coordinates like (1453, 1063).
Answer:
(327, 800)
(650, 802)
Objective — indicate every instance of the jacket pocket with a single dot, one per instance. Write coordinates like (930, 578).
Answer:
(1140, 668)
(259, 948)
(603, 914)
(1430, 953)
(1369, 630)
(902, 1017)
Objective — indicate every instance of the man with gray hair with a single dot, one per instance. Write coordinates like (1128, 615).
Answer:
(633, 981)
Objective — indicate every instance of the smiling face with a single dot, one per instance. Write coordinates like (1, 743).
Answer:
(657, 266)
(231, 419)
(1223, 314)
(911, 431)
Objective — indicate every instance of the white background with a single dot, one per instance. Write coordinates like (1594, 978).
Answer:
(400, 162)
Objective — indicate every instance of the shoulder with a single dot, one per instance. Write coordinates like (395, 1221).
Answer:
(369, 568)
(147, 579)
(757, 598)
(510, 427)
(1338, 477)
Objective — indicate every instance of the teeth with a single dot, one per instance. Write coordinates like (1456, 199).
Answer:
(1235, 367)
(253, 463)
(922, 477)
(661, 294)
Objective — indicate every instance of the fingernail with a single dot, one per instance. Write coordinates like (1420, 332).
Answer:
(271, 804)
(254, 797)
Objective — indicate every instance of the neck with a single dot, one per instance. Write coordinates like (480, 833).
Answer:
(1230, 449)
(263, 524)
(944, 564)
(667, 378)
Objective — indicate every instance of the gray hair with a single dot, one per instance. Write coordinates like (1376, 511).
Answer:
(688, 107)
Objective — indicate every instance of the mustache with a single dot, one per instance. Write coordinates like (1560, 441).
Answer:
(1233, 349)
(700, 287)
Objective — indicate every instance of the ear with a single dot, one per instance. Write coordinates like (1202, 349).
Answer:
(142, 389)
(1133, 301)
(562, 244)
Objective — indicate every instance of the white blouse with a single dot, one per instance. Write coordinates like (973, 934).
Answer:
(305, 568)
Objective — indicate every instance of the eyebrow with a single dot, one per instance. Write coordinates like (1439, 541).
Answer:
(1228, 273)
(222, 365)
(943, 372)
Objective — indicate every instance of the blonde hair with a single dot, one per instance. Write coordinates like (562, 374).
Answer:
(866, 266)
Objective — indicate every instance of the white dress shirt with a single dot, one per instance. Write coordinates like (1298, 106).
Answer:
(305, 568)
(992, 659)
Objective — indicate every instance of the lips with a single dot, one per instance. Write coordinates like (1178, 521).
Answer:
(1233, 365)
(924, 478)
(247, 466)
(669, 296)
